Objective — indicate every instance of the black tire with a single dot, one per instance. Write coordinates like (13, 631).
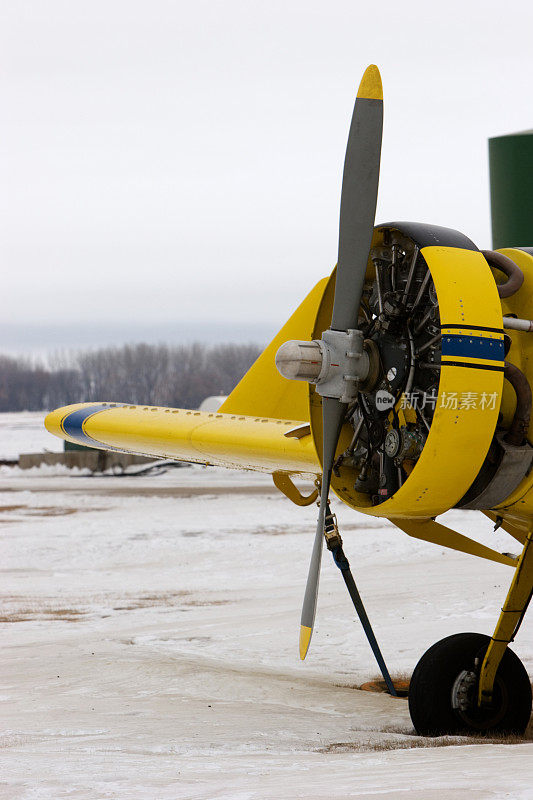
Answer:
(430, 690)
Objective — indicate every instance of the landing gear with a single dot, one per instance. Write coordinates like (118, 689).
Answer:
(443, 690)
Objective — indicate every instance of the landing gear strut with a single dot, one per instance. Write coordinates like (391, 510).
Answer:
(443, 694)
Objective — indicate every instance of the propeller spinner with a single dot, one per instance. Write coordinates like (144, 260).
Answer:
(339, 364)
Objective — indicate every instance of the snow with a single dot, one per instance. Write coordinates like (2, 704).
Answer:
(24, 432)
(150, 645)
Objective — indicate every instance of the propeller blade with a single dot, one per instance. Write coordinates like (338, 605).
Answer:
(332, 416)
(358, 209)
(358, 199)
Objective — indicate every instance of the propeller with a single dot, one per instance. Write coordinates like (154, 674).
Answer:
(357, 213)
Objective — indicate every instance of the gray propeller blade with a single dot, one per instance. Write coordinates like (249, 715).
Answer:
(332, 417)
(358, 199)
(358, 209)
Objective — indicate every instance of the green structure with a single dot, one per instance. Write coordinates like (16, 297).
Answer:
(511, 189)
(68, 446)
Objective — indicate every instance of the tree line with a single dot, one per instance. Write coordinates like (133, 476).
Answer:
(141, 374)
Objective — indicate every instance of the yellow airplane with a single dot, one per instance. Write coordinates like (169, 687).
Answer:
(401, 382)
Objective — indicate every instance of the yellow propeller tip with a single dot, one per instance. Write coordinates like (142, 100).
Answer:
(305, 638)
(370, 87)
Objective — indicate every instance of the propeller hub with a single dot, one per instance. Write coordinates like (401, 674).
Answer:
(339, 364)
(300, 361)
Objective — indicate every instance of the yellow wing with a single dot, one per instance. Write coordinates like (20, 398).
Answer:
(261, 425)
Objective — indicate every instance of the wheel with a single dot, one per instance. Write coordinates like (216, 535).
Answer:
(443, 690)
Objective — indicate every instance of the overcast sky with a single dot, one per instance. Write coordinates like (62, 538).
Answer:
(167, 162)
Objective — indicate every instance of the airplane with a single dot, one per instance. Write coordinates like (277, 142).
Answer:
(402, 383)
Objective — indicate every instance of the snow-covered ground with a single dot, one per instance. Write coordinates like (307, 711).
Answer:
(24, 432)
(150, 630)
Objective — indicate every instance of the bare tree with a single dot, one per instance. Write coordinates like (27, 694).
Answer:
(144, 374)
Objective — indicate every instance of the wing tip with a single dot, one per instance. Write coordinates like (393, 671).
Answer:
(371, 87)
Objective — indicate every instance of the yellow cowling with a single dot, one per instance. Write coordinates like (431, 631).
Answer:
(459, 439)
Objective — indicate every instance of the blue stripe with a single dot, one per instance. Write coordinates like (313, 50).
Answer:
(472, 346)
(72, 424)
